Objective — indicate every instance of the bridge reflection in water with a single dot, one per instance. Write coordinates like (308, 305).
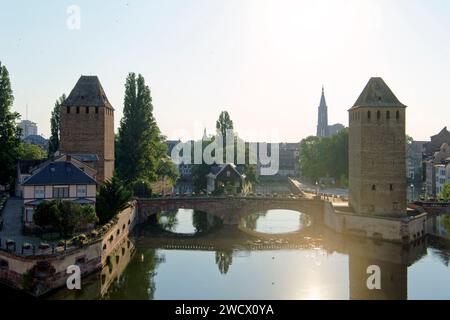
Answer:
(134, 274)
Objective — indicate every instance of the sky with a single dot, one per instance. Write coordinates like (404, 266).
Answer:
(264, 61)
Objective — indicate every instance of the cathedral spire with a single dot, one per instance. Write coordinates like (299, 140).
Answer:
(323, 102)
(322, 123)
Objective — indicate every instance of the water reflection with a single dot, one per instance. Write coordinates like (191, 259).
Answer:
(276, 221)
(232, 264)
(185, 221)
(224, 259)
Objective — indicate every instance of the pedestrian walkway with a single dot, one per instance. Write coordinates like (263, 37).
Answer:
(13, 225)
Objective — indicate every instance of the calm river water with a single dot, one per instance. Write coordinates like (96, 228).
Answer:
(274, 255)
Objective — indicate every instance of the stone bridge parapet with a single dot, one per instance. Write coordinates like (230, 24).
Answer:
(229, 209)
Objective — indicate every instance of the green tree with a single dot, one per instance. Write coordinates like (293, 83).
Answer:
(444, 195)
(87, 216)
(46, 214)
(28, 151)
(166, 168)
(9, 131)
(199, 171)
(251, 174)
(53, 144)
(141, 148)
(224, 123)
(325, 157)
(112, 198)
(65, 216)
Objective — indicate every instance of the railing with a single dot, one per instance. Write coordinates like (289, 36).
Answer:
(27, 250)
(194, 195)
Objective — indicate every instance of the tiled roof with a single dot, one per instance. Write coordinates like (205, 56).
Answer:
(377, 94)
(85, 157)
(59, 172)
(26, 166)
(88, 92)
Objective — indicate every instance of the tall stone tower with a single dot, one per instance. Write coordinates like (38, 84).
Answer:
(87, 125)
(322, 123)
(377, 183)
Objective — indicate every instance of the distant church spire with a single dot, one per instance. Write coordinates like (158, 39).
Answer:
(205, 136)
(322, 123)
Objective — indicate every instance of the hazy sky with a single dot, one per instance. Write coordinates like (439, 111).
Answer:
(263, 61)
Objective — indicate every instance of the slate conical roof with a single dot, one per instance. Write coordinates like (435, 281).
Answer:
(88, 92)
(323, 102)
(377, 94)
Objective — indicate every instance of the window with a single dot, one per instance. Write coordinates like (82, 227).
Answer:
(68, 109)
(39, 192)
(378, 115)
(78, 109)
(397, 115)
(29, 212)
(96, 109)
(388, 115)
(60, 192)
(391, 187)
(369, 115)
(87, 109)
(4, 264)
(81, 191)
(374, 187)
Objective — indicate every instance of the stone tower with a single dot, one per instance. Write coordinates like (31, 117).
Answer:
(87, 125)
(322, 122)
(377, 183)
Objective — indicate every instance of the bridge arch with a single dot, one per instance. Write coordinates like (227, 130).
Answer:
(230, 210)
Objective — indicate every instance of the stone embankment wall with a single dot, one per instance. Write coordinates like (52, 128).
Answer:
(40, 274)
(407, 229)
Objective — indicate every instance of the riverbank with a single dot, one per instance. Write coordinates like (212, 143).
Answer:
(41, 270)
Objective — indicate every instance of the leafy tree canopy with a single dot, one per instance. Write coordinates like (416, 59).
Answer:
(9, 131)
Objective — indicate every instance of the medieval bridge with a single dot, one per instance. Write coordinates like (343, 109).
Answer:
(230, 209)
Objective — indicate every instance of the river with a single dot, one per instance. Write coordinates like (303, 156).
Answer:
(277, 254)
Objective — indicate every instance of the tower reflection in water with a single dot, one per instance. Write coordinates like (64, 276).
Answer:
(136, 273)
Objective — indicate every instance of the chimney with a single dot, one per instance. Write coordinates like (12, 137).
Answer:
(69, 158)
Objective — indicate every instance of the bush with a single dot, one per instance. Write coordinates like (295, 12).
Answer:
(141, 189)
(65, 216)
(112, 199)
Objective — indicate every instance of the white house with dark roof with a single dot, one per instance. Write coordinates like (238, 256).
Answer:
(226, 177)
(57, 180)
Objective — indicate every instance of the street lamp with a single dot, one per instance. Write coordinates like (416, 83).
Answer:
(412, 192)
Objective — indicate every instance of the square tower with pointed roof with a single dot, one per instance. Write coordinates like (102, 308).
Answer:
(377, 183)
(87, 125)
